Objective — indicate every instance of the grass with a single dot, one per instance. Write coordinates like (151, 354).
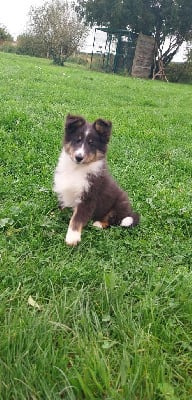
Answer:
(110, 319)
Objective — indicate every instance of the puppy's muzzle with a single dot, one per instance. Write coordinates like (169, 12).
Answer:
(78, 158)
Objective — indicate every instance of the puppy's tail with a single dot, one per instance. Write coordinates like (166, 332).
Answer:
(130, 221)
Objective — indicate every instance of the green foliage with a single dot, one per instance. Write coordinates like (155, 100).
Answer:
(189, 52)
(4, 35)
(6, 41)
(163, 19)
(112, 318)
(8, 47)
(30, 45)
(179, 72)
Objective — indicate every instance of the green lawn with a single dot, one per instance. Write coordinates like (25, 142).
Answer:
(113, 316)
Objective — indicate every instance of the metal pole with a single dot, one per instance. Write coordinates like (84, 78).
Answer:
(93, 47)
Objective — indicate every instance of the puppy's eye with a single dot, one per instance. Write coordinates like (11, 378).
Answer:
(78, 139)
(90, 142)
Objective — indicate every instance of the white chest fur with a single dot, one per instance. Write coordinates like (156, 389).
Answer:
(71, 179)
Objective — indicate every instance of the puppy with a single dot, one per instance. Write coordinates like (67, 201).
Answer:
(82, 181)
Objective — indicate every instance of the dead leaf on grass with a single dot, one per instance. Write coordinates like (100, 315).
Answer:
(33, 303)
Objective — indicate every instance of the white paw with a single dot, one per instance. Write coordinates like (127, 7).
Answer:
(127, 221)
(72, 237)
(98, 224)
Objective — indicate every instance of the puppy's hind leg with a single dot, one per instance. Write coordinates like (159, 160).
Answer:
(106, 221)
(130, 221)
(126, 217)
(101, 224)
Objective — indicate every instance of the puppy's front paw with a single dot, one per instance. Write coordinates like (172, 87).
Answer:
(72, 237)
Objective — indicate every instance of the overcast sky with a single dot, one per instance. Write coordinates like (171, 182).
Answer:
(14, 16)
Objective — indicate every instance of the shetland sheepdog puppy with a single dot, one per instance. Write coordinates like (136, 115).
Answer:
(82, 180)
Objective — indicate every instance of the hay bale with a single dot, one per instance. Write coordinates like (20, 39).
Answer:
(144, 56)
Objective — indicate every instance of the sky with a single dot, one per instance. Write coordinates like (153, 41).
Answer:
(14, 16)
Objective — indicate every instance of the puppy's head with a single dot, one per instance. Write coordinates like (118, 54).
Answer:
(85, 142)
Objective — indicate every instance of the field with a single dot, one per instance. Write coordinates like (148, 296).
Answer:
(112, 318)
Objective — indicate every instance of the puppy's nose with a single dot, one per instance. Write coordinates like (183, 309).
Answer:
(78, 158)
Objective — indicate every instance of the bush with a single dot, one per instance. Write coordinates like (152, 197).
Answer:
(8, 47)
(30, 45)
(179, 72)
(80, 58)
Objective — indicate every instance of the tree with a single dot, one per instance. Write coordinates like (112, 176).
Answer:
(164, 19)
(56, 26)
(189, 52)
(4, 35)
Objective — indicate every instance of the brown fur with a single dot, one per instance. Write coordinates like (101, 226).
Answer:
(104, 202)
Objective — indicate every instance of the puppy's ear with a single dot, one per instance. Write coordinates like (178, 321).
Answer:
(103, 128)
(73, 122)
